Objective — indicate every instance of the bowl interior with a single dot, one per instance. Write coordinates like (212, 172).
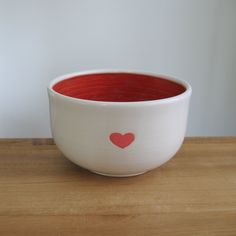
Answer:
(118, 87)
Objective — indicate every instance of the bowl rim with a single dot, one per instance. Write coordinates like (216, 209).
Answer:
(185, 94)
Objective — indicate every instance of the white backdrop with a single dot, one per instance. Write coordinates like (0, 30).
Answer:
(194, 40)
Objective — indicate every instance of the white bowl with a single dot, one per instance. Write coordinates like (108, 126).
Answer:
(118, 123)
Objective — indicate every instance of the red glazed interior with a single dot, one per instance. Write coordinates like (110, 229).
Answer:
(118, 87)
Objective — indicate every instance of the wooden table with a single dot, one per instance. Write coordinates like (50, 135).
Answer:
(42, 193)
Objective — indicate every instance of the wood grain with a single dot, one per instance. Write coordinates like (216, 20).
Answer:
(42, 193)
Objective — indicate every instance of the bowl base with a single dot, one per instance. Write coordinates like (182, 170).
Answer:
(111, 175)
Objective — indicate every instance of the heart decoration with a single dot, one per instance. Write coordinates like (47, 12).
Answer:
(122, 140)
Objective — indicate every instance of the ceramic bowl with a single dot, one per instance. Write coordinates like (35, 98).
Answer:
(118, 123)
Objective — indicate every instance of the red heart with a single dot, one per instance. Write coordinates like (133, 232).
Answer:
(122, 140)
